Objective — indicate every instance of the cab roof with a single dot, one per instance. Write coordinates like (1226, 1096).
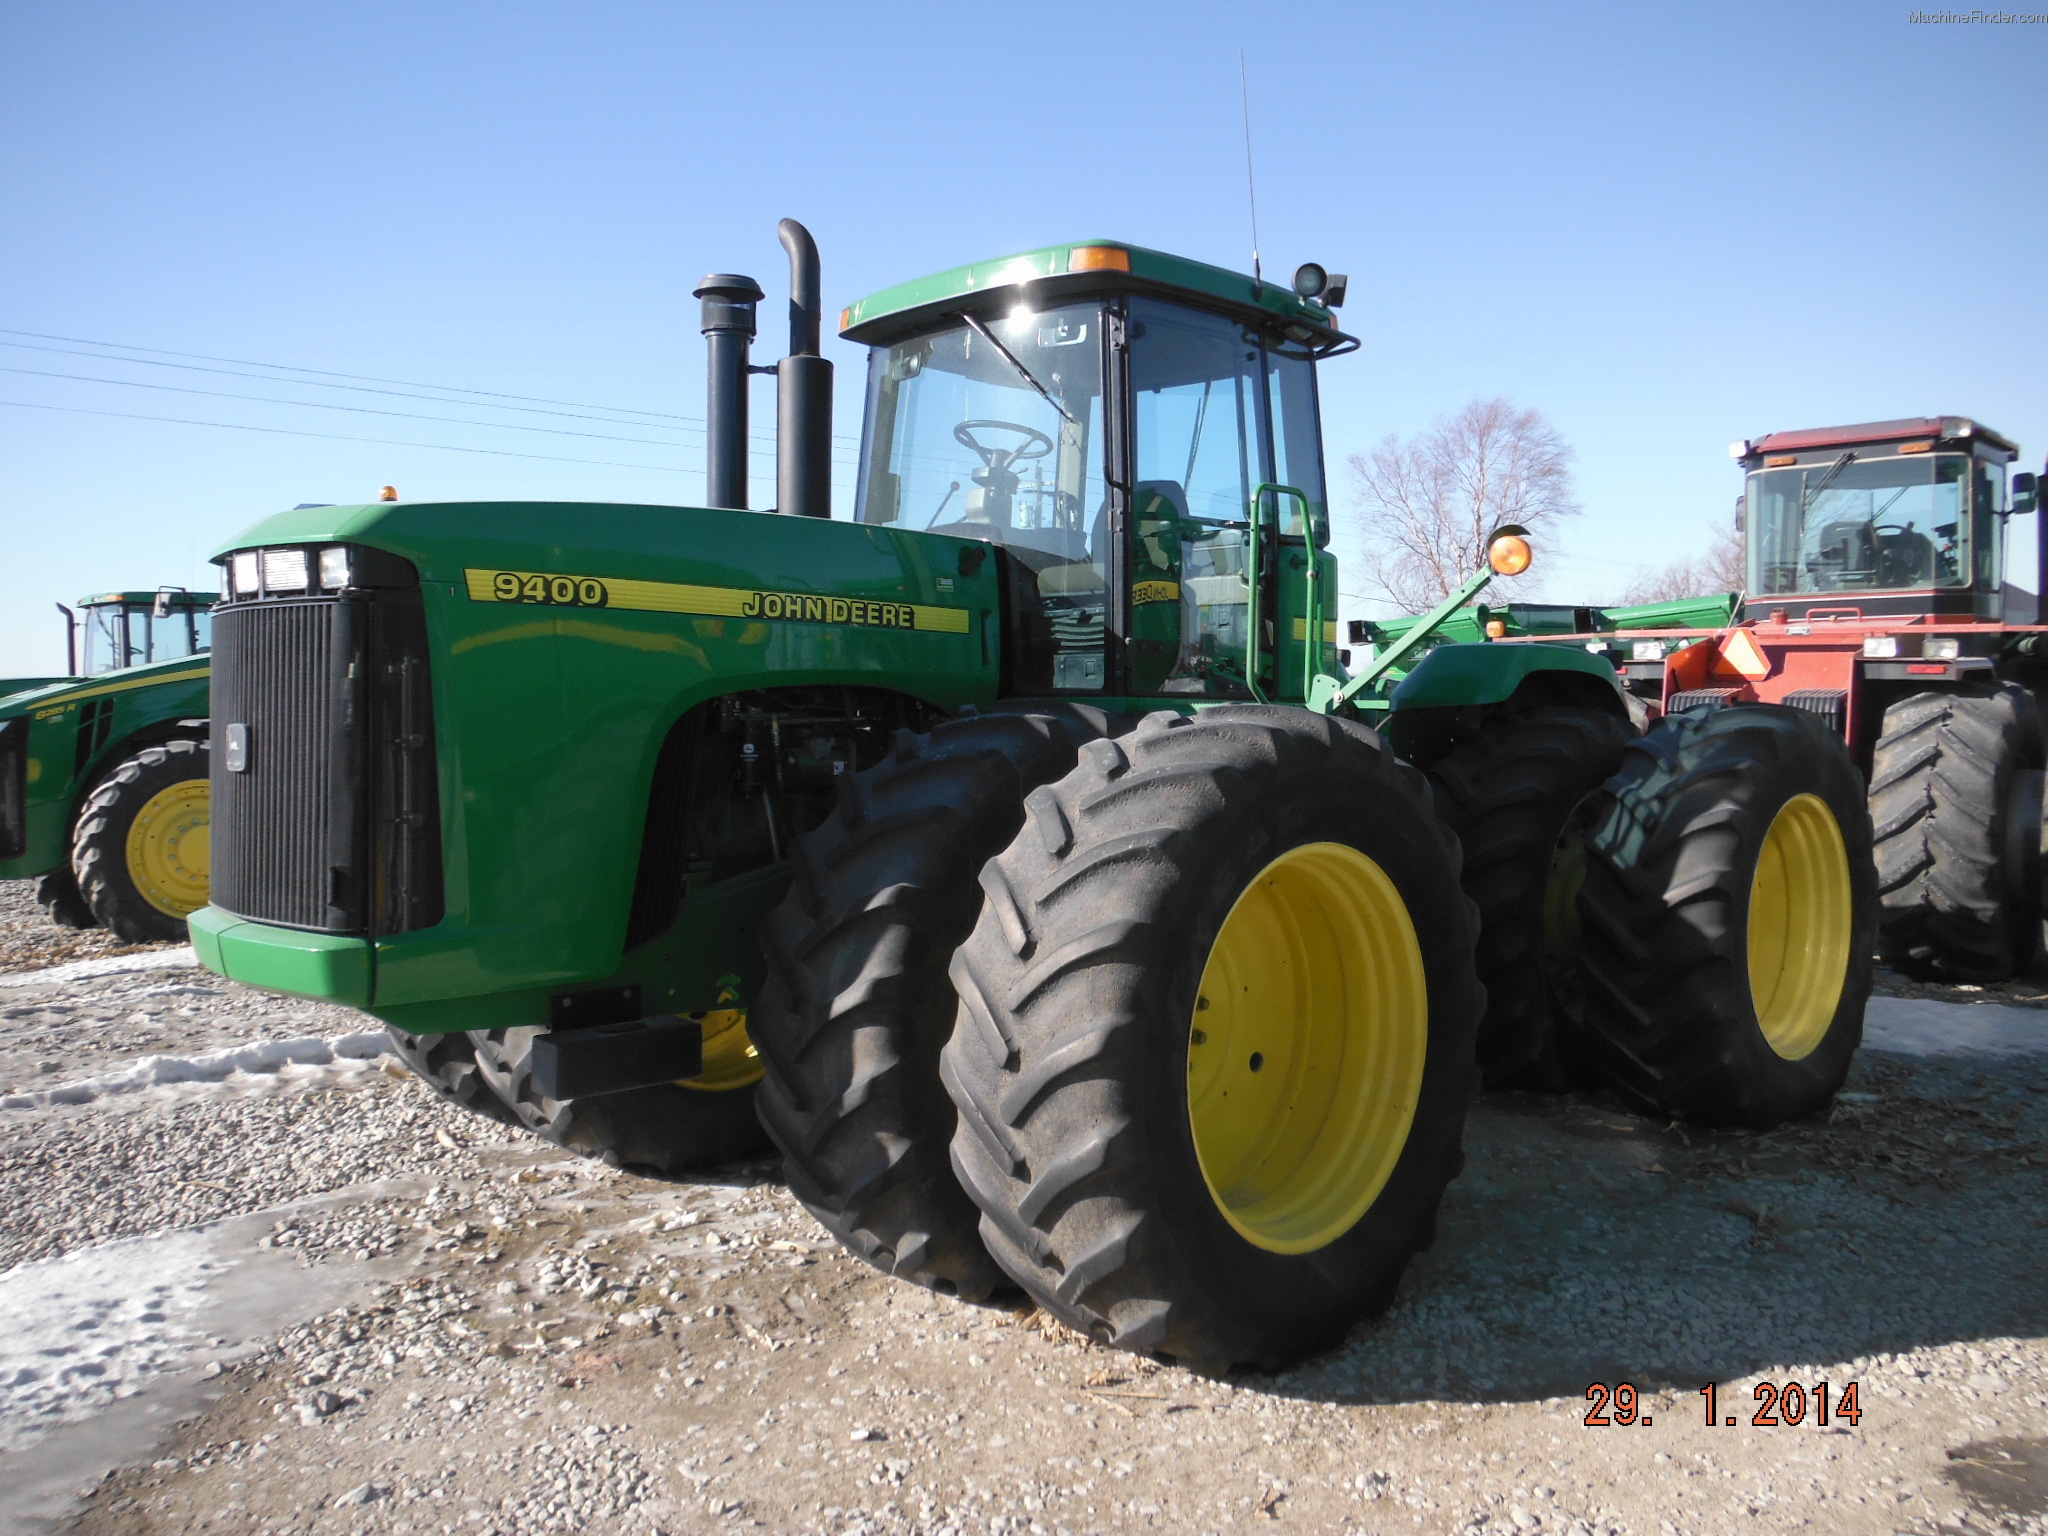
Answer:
(177, 599)
(1052, 273)
(1939, 427)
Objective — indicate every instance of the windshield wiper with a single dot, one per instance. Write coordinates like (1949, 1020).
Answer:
(1806, 496)
(1023, 373)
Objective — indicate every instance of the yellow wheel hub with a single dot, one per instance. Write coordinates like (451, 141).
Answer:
(169, 848)
(730, 1060)
(1306, 1049)
(1801, 917)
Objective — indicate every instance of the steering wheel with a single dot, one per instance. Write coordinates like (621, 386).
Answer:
(1036, 444)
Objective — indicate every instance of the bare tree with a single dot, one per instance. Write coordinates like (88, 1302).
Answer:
(1720, 569)
(1427, 505)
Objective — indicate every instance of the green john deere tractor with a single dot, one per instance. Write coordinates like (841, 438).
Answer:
(103, 772)
(1017, 852)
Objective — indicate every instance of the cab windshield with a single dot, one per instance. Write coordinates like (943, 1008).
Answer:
(119, 635)
(1852, 523)
(991, 430)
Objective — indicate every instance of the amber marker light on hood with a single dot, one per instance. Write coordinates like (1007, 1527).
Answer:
(1509, 554)
(1099, 258)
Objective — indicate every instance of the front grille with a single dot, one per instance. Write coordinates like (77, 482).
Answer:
(325, 810)
(13, 788)
(275, 687)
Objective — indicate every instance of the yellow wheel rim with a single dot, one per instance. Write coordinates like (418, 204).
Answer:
(1306, 1049)
(730, 1060)
(169, 849)
(1801, 917)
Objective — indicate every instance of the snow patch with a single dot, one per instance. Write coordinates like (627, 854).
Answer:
(91, 1327)
(113, 965)
(1912, 1026)
(262, 1057)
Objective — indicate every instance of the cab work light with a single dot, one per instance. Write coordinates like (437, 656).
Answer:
(284, 570)
(334, 567)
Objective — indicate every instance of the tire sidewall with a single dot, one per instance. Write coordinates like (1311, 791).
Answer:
(1785, 1088)
(1227, 851)
(103, 829)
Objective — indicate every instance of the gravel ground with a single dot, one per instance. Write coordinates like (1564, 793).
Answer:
(444, 1326)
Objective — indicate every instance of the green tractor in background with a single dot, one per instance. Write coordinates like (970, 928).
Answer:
(103, 772)
(1017, 853)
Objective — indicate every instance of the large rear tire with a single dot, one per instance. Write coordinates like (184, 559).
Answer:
(140, 848)
(1510, 790)
(857, 1002)
(1950, 804)
(1729, 915)
(1214, 1045)
(447, 1064)
(665, 1129)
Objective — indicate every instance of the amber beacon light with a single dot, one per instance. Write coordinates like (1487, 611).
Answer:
(1508, 551)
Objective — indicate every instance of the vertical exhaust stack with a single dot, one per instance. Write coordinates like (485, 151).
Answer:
(803, 389)
(728, 326)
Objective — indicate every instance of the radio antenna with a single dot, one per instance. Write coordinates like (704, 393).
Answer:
(1251, 184)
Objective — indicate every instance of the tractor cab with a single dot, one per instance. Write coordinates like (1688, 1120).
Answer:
(116, 630)
(1137, 438)
(1890, 518)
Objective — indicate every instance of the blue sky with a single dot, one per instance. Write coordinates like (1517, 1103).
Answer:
(1664, 226)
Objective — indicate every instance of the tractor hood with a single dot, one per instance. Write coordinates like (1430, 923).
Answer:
(51, 694)
(700, 561)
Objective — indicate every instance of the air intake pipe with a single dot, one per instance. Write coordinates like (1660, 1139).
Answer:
(803, 389)
(728, 326)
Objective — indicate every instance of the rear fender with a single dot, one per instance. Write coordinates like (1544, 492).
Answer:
(1461, 684)
(1456, 676)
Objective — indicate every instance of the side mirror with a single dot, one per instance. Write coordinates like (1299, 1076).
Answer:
(1742, 514)
(2026, 494)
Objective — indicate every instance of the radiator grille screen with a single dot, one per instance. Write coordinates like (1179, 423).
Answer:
(275, 678)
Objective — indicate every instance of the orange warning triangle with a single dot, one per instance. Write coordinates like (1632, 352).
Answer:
(1741, 653)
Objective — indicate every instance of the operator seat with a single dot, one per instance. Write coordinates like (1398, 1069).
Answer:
(1905, 559)
(1845, 556)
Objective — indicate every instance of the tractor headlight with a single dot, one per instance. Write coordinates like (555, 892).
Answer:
(334, 567)
(284, 570)
(243, 573)
(1881, 645)
(1646, 650)
(1947, 648)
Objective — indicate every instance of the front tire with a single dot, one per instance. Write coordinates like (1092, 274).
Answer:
(140, 848)
(1947, 800)
(447, 1064)
(668, 1128)
(1729, 915)
(857, 1002)
(1214, 1044)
